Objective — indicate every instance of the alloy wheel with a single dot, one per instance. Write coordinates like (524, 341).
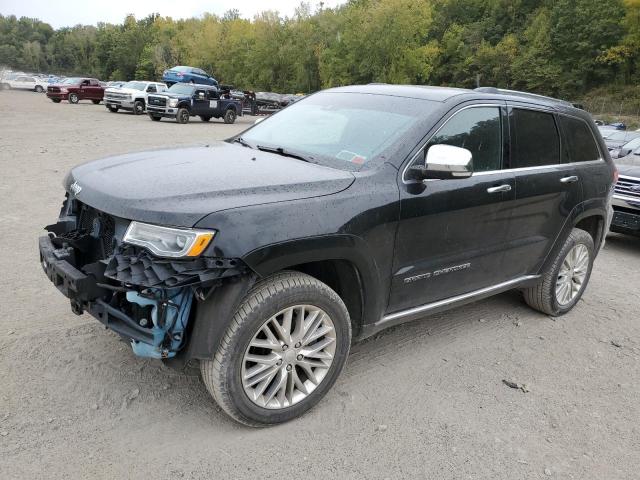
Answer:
(572, 274)
(288, 357)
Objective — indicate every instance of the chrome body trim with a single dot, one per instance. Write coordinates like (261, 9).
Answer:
(454, 300)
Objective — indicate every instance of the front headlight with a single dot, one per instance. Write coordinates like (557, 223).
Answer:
(173, 102)
(167, 241)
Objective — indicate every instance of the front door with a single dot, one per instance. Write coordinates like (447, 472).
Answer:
(200, 103)
(452, 233)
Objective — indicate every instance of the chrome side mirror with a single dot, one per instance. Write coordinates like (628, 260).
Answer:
(447, 161)
(444, 162)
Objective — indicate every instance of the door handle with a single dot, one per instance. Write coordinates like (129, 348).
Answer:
(500, 188)
(571, 179)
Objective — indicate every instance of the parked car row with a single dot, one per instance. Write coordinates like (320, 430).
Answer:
(181, 101)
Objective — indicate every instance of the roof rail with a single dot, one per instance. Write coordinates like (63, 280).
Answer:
(516, 93)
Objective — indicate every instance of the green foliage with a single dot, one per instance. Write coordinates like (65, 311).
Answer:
(559, 47)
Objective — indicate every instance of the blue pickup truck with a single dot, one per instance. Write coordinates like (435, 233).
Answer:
(185, 100)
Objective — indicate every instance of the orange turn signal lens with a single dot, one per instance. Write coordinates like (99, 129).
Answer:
(201, 242)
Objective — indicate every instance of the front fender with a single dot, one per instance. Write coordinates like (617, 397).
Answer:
(280, 256)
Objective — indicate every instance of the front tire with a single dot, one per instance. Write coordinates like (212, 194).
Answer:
(73, 98)
(283, 350)
(138, 107)
(230, 116)
(155, 118)
(182, 116)
(564, 282)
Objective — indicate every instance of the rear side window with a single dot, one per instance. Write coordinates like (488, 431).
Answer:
(477, 129)
(534, 139)
(579, 145)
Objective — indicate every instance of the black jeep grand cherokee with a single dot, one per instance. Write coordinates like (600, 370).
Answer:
(353, 210)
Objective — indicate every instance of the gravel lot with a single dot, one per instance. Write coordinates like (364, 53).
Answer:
(424, 400)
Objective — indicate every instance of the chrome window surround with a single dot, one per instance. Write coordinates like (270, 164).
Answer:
(519, 169)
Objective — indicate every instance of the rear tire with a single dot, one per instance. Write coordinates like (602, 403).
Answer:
(564, 282)
(182, 116)
(73, 98)
(317, 319)
(230, 116)
(138, 107)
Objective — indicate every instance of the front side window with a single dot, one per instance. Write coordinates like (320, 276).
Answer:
(534, 139)
(579, 145)
(479, 130)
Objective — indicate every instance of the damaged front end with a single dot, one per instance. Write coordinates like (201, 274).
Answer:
(146, 299)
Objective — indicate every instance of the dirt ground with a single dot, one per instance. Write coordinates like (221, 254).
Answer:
(424, 400)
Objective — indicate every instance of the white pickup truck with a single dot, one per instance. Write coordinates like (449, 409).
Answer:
(24, 82)
(131, 96)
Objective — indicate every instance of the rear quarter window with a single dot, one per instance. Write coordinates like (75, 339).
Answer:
(535, 140)
(579, 143)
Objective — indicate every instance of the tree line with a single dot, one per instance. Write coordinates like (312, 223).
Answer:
(556, 47)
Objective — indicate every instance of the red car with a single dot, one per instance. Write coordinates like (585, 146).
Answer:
(76, 89)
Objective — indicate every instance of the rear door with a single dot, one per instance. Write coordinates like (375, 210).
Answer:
(451, 233)
(548, 187)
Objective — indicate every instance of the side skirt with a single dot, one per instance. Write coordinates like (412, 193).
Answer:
(421, 311)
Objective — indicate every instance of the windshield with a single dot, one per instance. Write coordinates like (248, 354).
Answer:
(344, 127)
(71, 81)
(135, 85)
(181, 88)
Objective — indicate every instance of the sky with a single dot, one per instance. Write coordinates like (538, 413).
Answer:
(66, 13)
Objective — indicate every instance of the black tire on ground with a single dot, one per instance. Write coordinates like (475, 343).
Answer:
(155, 118)
(96, 102)
(112, 109)
(222, 374)
(55, 100)
(39, 89)
(73, 98)
(182, 116)
(205, 118)
(138, 107)
(230, 116)
(542, 297)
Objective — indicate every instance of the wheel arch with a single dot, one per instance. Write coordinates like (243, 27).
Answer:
(341, 261)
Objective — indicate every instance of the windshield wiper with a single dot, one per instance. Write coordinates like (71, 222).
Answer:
(242, 142)
(281, 151)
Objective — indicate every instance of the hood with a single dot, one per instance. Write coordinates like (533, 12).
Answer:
(629, 165)
(123, 90)
(172, 95)
(180, 186)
